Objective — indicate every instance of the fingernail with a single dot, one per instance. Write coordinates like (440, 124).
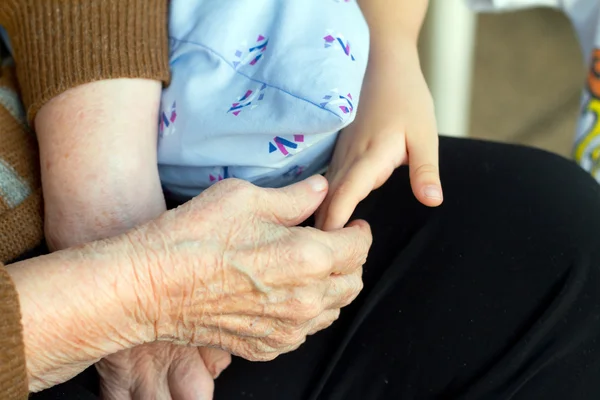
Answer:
(317, 183)
(433, 192)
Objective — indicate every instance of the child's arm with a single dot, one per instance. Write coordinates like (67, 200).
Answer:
(391, 20)
(395, 123)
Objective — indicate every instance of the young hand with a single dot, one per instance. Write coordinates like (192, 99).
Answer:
(395, 125)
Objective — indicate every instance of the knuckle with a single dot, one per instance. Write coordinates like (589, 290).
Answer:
(363, 255)
(260, 356)
(259, 351)
(331, 318)
(352, 287)
(386, 170)
(306, 310)
(254, 357)
(293, 208)
(293, 338)
(295, 346)
(425, 170)
(336, 315)
(355, 289)
(359, 255)
(287, 335)
(311, 257)
(268, 357)
(235, 187)
(344, 189)
(355, 257)
(359, 286)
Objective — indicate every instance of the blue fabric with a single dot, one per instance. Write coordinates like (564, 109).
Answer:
(259, 89)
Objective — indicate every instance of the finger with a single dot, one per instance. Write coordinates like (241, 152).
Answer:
(321, 212)
(188, 378)
(110, 391)
(343, 290)
(349, 246)
(354, 187)
(324, 321)
(154, 386)
(293, 204)
(333, 176)
(423, 161)
(215, 360)
(270, 353)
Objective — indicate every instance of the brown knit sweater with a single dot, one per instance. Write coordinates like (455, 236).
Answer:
(57, 44)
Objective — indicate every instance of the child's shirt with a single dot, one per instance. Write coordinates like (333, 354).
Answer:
(259, 90)
(585, 16)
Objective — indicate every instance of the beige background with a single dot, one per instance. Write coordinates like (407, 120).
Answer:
(527, 79)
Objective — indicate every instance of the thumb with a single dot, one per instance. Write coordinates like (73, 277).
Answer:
(423, 160)
(215, 360)
(293, 204)
(189, 378)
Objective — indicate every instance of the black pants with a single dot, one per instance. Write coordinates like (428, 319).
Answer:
(494, 295)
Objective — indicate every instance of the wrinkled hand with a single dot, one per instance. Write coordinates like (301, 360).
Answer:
(230, 269)
(161, 371)
(395, 125)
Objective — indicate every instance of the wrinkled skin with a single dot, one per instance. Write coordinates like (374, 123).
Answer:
(280, 274)
(159, 371)
(230, 269)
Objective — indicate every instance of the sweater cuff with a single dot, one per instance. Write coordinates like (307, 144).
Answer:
(58, 45)
(13, 371)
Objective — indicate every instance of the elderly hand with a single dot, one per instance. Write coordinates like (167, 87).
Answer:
(160, 371)
(230, 269)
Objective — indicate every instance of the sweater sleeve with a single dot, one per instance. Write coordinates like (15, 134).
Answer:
(60, 44)
(13, 372)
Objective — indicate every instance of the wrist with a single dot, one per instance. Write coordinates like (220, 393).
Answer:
(77, 306)
(392, 21)
(175, 314)
(396, 52)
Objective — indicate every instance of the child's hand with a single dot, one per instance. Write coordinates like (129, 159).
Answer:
(395, 126)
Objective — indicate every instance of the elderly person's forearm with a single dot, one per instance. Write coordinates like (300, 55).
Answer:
(79, 305)
(98, 160)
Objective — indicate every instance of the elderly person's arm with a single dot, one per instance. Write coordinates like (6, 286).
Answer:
(56, 47)
(65, 44)
(97, 133)
(59, 49)
(13, 374)
(252, 283)
(103, 183)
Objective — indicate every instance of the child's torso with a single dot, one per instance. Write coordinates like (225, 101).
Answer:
(259, 89)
